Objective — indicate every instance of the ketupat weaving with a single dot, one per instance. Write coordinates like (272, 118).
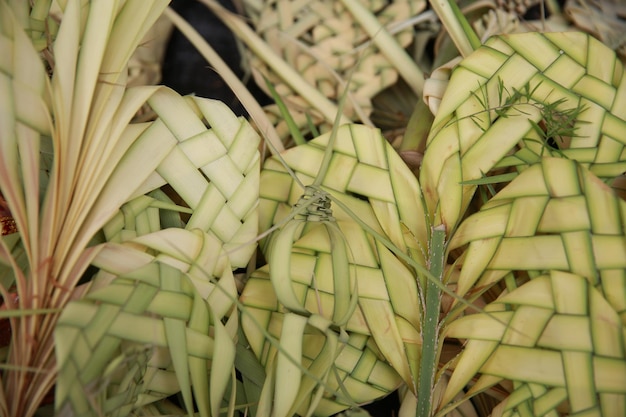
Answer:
(554, 234)
(570, 71)
(367, 176)
(326, 45)
(159, 317)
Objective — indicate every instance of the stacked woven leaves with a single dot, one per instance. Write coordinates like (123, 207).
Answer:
(540, 136)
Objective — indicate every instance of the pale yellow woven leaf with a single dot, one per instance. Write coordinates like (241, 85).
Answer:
(155, 305)
(575, 353)
(554, 215)
(477, 131)
(326, 44)
(214, 171)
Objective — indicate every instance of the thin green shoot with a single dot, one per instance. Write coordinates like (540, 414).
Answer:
(311, 125)
(556, 126)
(342, 387)
(294, 130)
(430, 326)
(285, 165)
(328, 153)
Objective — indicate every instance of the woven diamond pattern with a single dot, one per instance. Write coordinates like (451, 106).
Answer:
(361, 367)
(556, 215)
(368, 176)
(477, 130)
(152, 327)
(324, 43)
(557, 334)
(214, 172)
(365, 173)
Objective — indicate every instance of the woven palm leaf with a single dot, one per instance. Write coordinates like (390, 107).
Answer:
(64, 141)
(154, 330)
(555, 215)
(559, 336)
(499, 100)
(42, 22)
(365, 173)
(558, 340)
(361, 367)
(368, 176)
(324, 43)
(154, 315)
(212, 172)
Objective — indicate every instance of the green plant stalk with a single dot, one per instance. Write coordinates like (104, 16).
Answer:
(456, 24)
(296, 134)
(436, 281)
(430, 324)
(328, 153)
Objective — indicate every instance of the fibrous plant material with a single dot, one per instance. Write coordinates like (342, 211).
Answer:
(540, 117)
(324, 41)
(561, 334)
(167, 274)
(212, 170)
(60, 202)
(346, 310)
(155, 329)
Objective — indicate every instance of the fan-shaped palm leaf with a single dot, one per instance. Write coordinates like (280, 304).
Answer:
(79, 114)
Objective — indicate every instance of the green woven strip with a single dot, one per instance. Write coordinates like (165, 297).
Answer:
(158, 324)
(360, 367)
(554, 215)
(483, 123)
(367, 176)
(387, 201)
(213, 173)
(575, 353)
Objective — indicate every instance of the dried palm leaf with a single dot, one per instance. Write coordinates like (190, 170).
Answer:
(324, 41)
